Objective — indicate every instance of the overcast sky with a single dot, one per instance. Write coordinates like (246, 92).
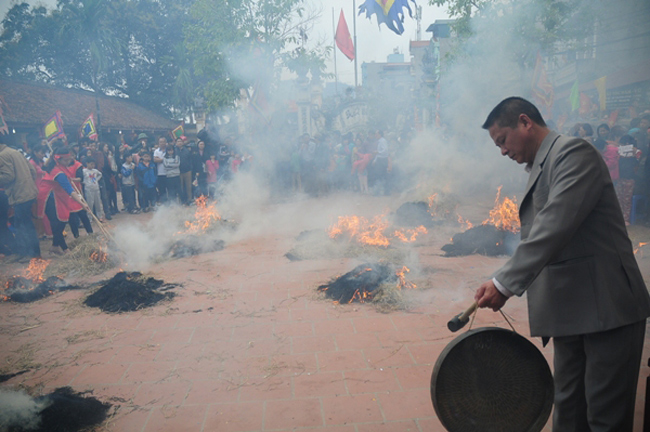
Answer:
(373, 43)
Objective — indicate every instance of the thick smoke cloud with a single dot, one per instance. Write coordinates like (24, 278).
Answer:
(17, 409)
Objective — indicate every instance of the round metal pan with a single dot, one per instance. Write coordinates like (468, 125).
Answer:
(492, 380)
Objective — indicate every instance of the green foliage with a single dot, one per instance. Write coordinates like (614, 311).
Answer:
(524, 26)
(162, 54)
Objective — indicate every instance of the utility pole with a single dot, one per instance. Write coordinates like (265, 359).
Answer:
(354, 23)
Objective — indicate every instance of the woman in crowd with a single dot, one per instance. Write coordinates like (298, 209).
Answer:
(108, 174)
(199, 157)
(602, 134)
(172, 164)
(56, 196)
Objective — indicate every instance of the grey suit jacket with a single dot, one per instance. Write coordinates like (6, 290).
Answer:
(575, 260)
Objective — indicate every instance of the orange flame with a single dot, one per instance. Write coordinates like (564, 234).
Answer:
(505, 215)
(204, 216)
(372, 233)
(361, 230)
(638, 248)
(401, 279)
(465, 223)
(99, 256)
(410, 235)
(35, 270)
(433, 211)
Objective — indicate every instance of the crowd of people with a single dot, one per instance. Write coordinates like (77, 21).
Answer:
(71, 183)
(625, 150)
(62, 184)
(333, 161)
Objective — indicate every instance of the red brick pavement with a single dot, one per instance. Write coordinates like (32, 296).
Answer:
(248, 346)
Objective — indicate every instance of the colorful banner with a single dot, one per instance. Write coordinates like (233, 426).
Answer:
(178, 132)
(543, 92)
(343, 38)
(88, 129)
(389, 12)
(53, 128)
(574, 97)
(601, 86)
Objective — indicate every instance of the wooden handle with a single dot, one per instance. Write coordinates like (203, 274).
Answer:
(470, 310)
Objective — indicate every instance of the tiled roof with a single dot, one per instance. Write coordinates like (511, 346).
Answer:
(31, 104)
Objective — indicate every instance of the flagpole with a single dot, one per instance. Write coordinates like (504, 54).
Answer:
(354, 23)
(336, 73)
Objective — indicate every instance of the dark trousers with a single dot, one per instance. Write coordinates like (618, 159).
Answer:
(596, 379)
(128, 193)
(26, 237)
(141, 203)
(57, 225)
(104, 196)
(161, 185)
(148, 197)
(76, 218)
(186, 187)
(173, 188)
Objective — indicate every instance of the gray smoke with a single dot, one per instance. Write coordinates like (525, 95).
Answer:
(18, 409)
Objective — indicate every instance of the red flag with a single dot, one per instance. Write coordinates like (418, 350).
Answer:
(343, 38)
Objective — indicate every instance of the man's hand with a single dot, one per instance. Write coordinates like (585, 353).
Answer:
(488, 296)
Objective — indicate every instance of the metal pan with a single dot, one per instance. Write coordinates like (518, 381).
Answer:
(492, 380)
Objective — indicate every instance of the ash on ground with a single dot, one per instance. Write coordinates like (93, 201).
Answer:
(379, 283)
(63, 410)
(128, 292)
(22, 290)
(194, 245)
(482, 240)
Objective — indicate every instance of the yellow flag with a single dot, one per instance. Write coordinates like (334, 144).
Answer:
(601, 86)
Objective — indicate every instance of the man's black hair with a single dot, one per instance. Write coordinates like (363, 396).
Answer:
(506, 114)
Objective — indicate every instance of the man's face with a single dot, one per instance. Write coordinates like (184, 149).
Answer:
(513, 143)
(603, 133)
(162, 143)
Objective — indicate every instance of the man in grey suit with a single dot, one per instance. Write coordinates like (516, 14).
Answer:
(577, 266)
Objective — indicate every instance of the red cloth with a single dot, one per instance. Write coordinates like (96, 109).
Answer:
(71, 172)
(362, 163)
(610, 154)
(343, 38)
(62, 201)
(211, 167)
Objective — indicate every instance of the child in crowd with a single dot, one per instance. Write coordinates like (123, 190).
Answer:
(212, 167)
(128, 184)
(172, 164)
(146, 172)
(91, 180)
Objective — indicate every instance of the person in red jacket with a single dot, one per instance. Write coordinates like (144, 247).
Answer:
(57, 198)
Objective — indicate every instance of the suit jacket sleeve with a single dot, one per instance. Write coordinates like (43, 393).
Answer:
(576, 185)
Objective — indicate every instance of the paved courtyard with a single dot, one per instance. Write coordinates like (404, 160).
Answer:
(248, 345)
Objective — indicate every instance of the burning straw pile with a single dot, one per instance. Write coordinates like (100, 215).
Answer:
(197, 236)
(127, 292)
(32, 286)
(355, 236)
(89, 255)
(497, 235)
(63, 410)
(379, 283)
